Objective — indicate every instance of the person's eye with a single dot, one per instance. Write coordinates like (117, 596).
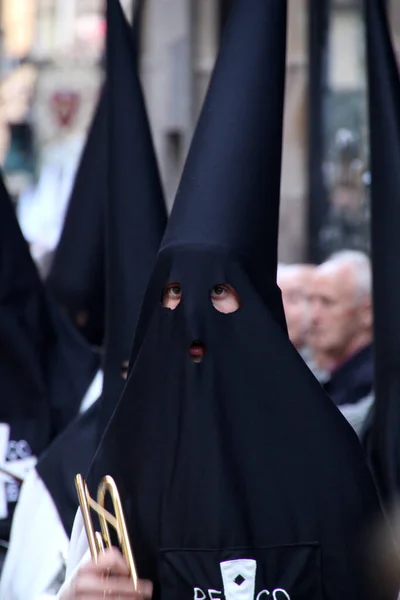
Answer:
(219, 291)
(327, 302)
(174, 291)
(224, 298)
(172, 295)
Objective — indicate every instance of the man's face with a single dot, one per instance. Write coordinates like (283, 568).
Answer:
(338, 315)
(294, 288)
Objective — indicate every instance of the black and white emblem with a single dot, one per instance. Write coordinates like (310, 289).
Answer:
(16, 460)
(239, 579)
(265, 573)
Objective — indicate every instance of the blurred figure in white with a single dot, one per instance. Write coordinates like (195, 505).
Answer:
(41, 210)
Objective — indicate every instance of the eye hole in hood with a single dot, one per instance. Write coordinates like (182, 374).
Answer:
(224, 298)
(172, 294)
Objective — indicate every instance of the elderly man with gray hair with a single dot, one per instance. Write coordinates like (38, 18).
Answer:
(341, 331)
(294, 282)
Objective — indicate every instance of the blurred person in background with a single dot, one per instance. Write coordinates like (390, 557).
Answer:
(340, 333)
(136, 219)
(295, 282)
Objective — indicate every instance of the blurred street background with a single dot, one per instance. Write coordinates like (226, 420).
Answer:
(51, 69)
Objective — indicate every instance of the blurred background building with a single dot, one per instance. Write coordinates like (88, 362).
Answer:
(51, 70)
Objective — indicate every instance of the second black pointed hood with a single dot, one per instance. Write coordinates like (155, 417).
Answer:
(135, 209)
(135, 221)
(76, 278)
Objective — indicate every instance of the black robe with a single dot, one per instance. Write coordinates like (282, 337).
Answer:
(240, 457)
(353, 380)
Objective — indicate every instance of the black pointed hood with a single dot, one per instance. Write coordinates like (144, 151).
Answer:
(229, 193)
(384, 125)
(236, 471)
(46, 367)
(76, 277)
(135, 222)
(135, 210)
